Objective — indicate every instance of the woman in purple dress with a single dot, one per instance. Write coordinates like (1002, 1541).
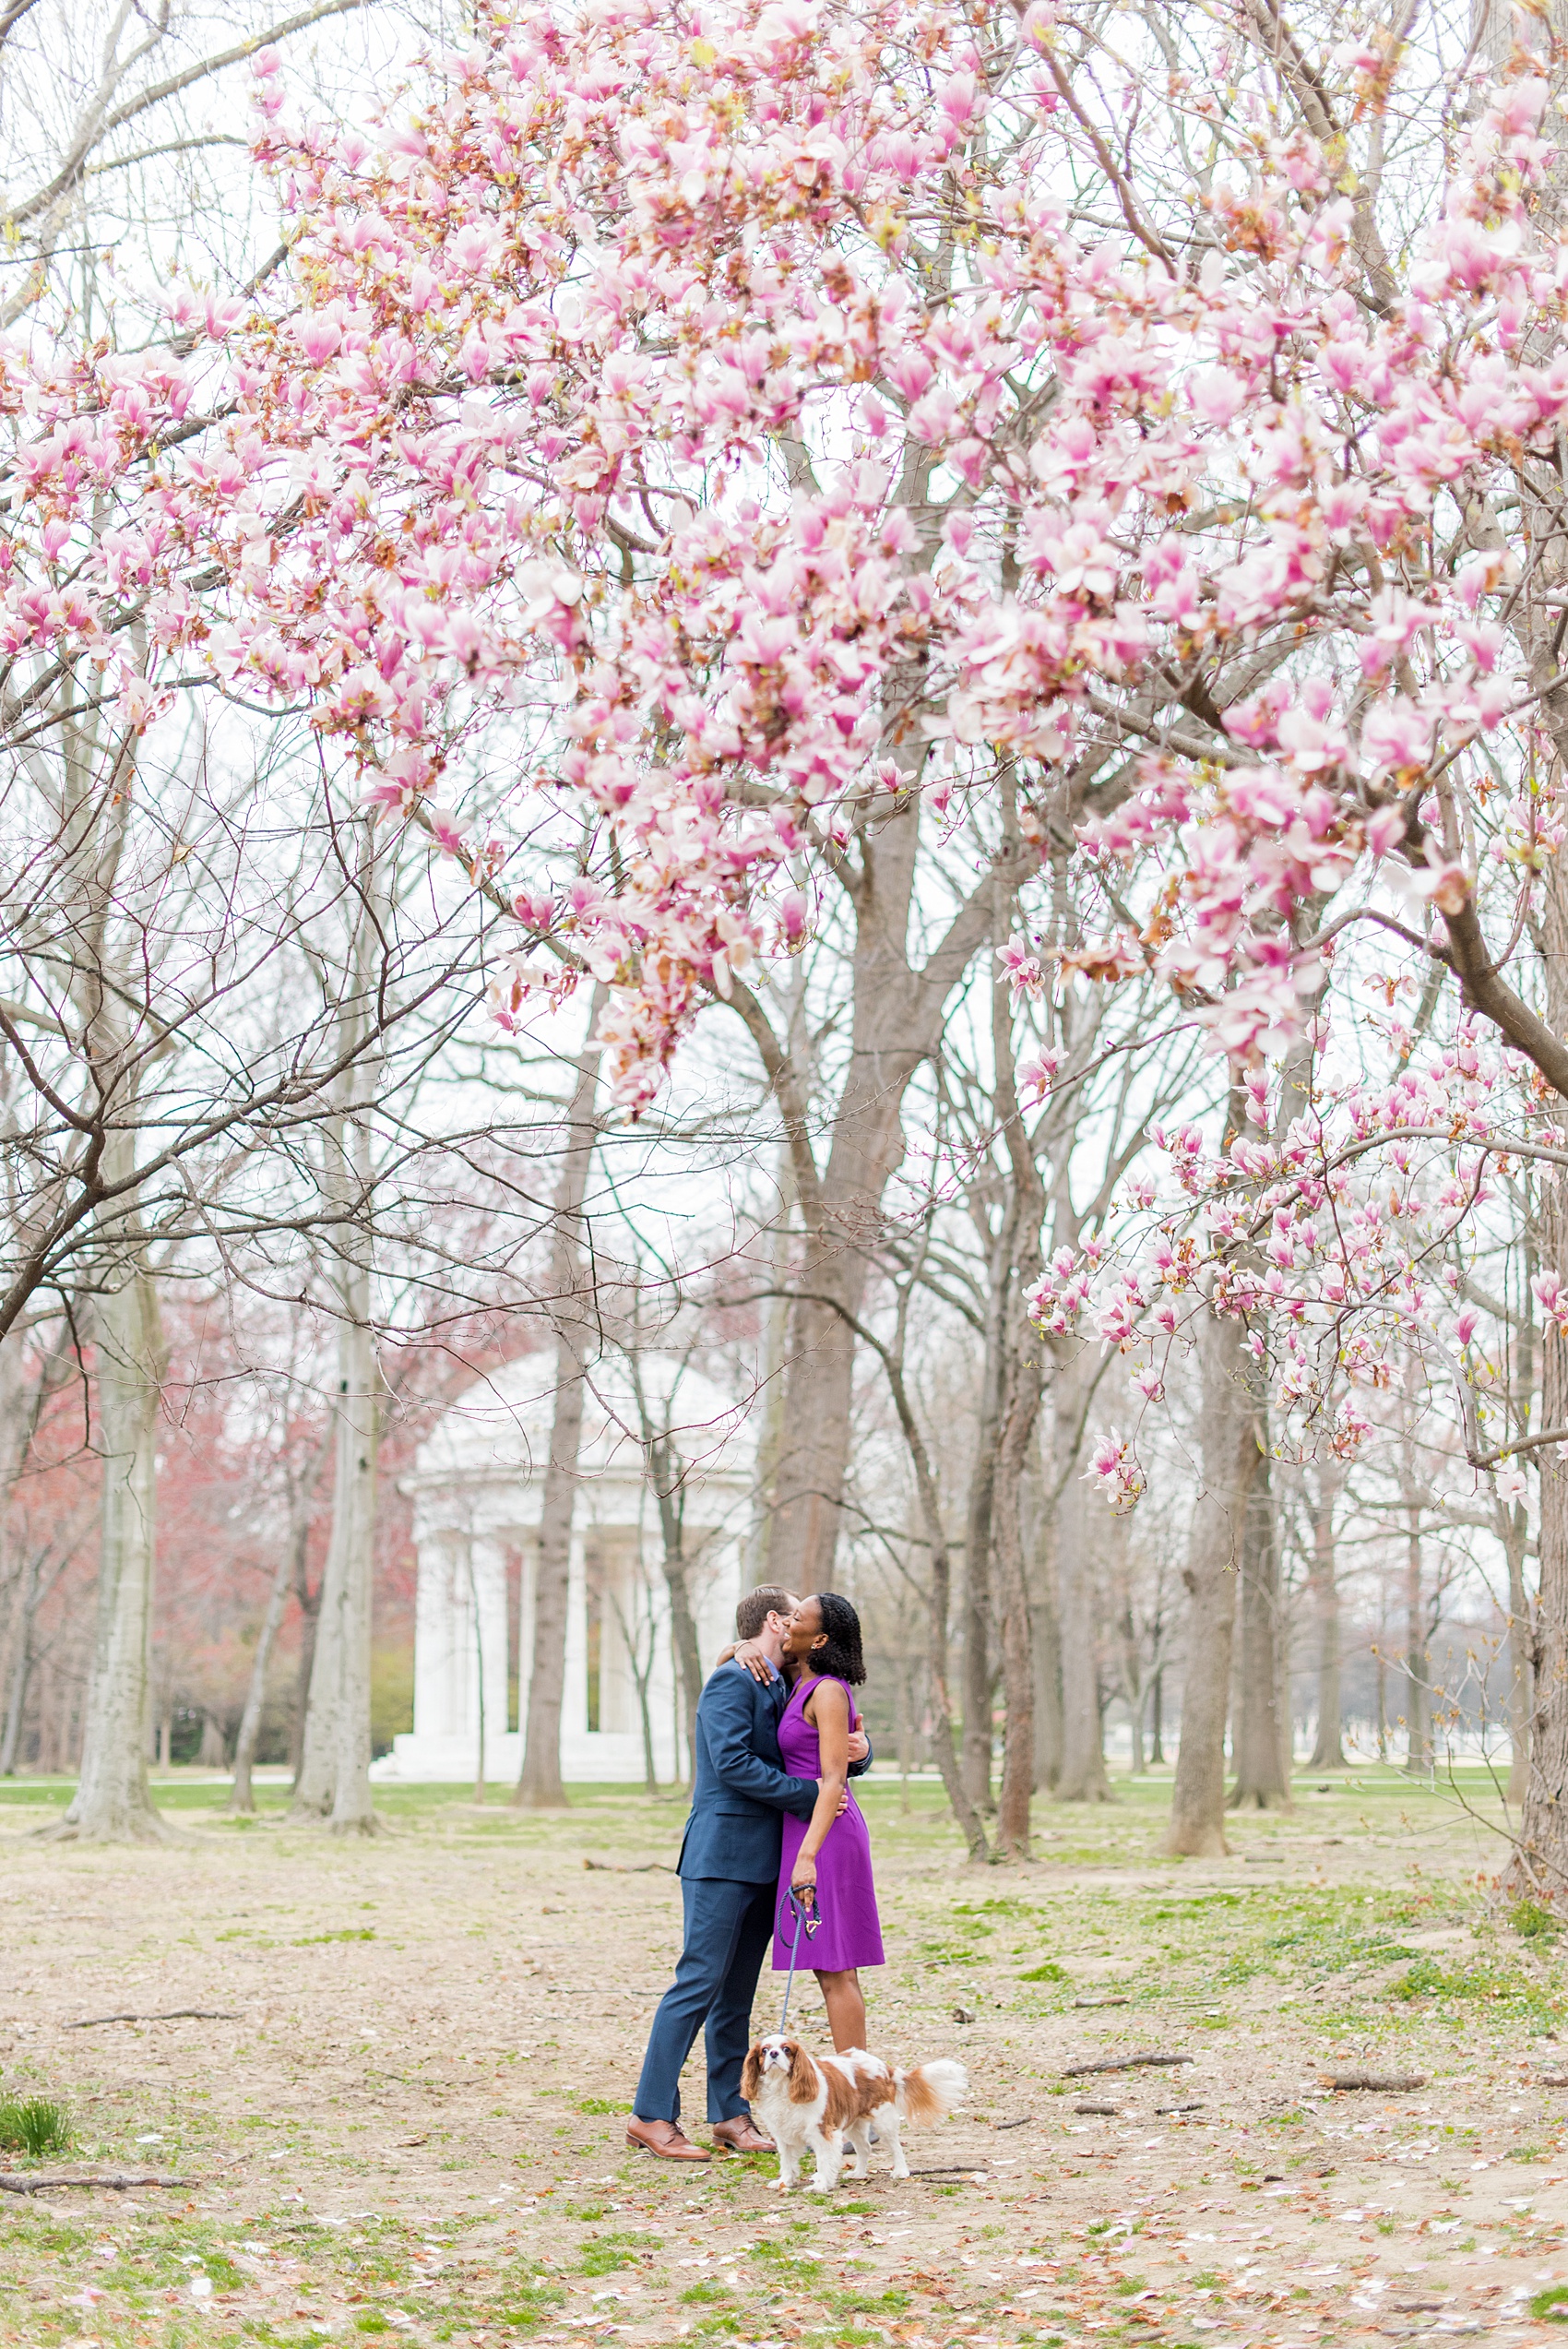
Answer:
(827, 1859)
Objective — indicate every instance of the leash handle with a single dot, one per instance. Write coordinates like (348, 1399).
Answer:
(807, 1918)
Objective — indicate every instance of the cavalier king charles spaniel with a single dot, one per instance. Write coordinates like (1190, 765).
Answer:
(801, 2102)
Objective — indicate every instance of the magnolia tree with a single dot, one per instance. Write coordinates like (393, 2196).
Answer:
(807, 429)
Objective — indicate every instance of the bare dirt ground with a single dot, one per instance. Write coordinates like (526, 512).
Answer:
(407, 2116)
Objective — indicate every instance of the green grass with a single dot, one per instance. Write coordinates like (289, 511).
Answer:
(892, 2303)
(34, 2125)
(1551, 2307)
(605, 2254)
(1532, 1920)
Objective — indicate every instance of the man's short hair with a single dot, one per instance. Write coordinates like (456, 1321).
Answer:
(757, 1606)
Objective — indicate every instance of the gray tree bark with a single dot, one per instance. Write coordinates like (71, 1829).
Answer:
(1418, 1667)
(897, 1006)
(333, 1782)
(666, 1472)
(1515, 1526)
(113, 1802)
(539, 1784)
(1048, 1657)
(1021, 1353)
(1260, 1750)
(1540, 1861)
(242, 1799)
(1232, 1451)
(1084, 1778)
(979, 1535)
(290, 1570)
(1328, 1752)
(22, 1660)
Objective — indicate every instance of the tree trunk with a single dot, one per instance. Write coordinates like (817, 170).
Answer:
(778, 1266)
(666, 1473)
(112, 1803)
(1262, 1781)
(1541, 1856)
(841, 1209)
(1540, 1866)
(1135, 1724)
(1328, 1753)
(1156, 1720)
(896, 1023)
(1048, 1659)
(1513, 1530)
(979, 1537)
(1084, 1777)
(292, 1565)
(943, 1747)
(21, 1663)
(684, 1639)
(310, 1616)
(1018, 1642)
(241, 1800)
(644, 1717)
(21, 1405)
(940, 1603)
(1515, 1527)
(538, 1784)
(1230, 1458)
(334, 1780)
(1418, 1697)
(333, 1776)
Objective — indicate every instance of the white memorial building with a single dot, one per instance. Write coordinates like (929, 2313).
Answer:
(476, 1489)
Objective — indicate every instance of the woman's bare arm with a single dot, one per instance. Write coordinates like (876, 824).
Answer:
(827, 1709)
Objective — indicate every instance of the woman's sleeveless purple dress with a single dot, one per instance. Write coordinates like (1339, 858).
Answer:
(850, 1932)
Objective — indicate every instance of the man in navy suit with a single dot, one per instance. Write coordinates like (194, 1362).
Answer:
(729, 1871)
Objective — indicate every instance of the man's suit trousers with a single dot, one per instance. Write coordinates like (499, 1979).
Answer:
(728, 1928)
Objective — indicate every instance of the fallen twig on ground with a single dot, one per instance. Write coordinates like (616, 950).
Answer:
(1095, 2003)
(1389, 2083)
(1022, 2122)
(1104, 2112)
(1124, 2063)
(174, 2014)
(22, 2182)
(629, 1867)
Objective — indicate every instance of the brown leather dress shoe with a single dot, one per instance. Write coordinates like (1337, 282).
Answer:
(743, 2136)
(667, 2139)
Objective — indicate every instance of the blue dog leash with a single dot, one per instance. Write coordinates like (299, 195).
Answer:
(807, 1918)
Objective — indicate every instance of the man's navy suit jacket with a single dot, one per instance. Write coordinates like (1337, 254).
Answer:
(740, 1785)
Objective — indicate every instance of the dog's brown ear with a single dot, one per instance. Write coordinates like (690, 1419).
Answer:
(751, 2073)
(803, 2087)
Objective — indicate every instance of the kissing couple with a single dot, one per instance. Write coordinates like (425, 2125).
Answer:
(778, 1741)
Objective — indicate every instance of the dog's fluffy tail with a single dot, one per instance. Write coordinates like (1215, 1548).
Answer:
(928, 2092)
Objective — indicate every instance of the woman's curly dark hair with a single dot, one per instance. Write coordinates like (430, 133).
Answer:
(839, 1657)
